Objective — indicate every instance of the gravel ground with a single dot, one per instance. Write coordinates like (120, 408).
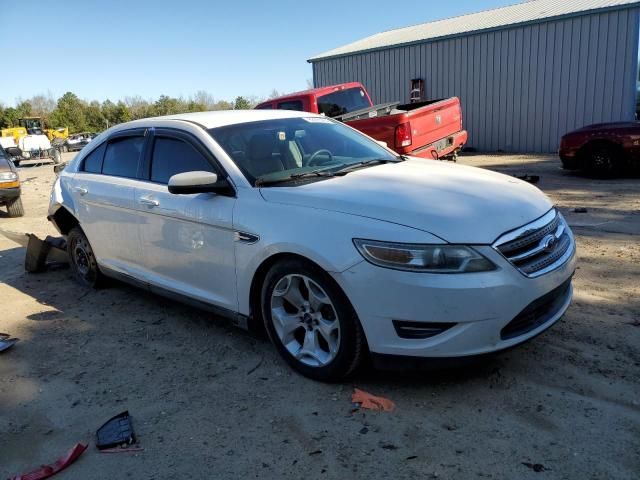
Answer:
(210, 401)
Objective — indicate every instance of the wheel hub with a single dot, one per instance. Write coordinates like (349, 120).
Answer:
(305, 320)
(81, 260)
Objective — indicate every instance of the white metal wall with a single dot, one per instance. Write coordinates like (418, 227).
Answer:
(521, 88)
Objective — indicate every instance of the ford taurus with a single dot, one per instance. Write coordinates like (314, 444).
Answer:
(338, 246)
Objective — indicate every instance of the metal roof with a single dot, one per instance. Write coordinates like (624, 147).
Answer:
(527, 12)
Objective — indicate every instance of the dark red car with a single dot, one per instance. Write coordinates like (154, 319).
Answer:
(602, 149)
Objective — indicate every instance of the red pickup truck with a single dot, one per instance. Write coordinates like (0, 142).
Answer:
(430, 129)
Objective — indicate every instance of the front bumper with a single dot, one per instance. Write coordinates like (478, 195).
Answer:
(7, 194)
(569, 158)
(479, 304)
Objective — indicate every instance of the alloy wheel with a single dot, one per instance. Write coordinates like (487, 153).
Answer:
(305, 320)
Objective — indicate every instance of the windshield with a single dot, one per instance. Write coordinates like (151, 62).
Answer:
(343, 101)
(273, 150)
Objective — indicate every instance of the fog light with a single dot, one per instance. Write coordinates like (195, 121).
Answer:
(420, 330)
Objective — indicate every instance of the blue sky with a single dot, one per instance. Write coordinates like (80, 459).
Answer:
(114, 49)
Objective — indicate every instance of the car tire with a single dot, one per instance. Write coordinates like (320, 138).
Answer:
(604, 160)
(311, 322)
(15, 208)
(82, 260)
(56, 156)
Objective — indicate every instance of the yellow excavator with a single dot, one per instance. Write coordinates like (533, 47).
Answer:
(34, 126)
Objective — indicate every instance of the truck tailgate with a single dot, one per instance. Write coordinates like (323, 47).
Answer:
(433, 122)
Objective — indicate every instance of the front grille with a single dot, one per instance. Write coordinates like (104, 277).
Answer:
(419, 330)
(540, 247)
(537, 312)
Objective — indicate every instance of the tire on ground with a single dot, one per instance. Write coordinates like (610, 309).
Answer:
(604, 159)
(82, 259)
(352, 346)
(55, 156)
(15, 208)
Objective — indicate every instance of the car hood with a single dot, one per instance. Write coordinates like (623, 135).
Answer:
(457, 203)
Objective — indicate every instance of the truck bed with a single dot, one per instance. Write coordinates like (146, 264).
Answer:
(434, 125)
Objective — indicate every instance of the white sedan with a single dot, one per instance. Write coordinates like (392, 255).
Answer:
(339, 247)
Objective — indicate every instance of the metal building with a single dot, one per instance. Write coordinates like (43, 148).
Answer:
(525, 74)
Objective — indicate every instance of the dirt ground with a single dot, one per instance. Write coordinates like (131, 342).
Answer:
(210, 401)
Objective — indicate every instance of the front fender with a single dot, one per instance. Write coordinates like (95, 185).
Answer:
(321, 236)
(61, 197)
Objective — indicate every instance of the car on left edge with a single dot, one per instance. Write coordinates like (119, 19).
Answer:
(10, 186)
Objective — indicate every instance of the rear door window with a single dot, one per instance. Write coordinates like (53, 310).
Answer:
(122, 156)
(291, 105)
(343, 101)
(172, 156)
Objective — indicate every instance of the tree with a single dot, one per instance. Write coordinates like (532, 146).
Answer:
(69, 112)
(241, 103)
(9, 117)
(203, 99)
(166, 105)
(42, 106)
(115, 113)
(24, 108)
(138, 107)
(222, 105)
(96, 122)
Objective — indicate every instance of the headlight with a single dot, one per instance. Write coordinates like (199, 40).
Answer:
(8, 177)
(423, 258)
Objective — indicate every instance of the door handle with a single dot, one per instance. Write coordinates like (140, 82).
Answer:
(81, 190)
(149, 201)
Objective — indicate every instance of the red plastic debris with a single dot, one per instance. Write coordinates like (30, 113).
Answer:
(371, 402)
(47, 471)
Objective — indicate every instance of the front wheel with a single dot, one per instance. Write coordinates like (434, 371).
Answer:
(83, 261)
(603, 160)
(15, 208)
(311, 322)
(56, 156)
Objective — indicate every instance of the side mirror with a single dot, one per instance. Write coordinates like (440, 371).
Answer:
(198, 182)
(381, 143)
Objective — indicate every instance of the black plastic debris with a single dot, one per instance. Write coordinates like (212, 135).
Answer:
(116, 432)
(6, 342)
(44, 253)
(536, 467)
(580, 210)
(533, 179)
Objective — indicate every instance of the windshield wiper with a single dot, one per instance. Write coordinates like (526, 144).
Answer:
(294, 176)
(365, 163)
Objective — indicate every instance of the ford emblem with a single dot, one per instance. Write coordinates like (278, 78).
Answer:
(549, 243)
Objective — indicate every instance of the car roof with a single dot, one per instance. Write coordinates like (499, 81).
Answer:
(220, 118)
(316, 92)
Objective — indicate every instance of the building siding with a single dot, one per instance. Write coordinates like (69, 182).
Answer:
(522, 87)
